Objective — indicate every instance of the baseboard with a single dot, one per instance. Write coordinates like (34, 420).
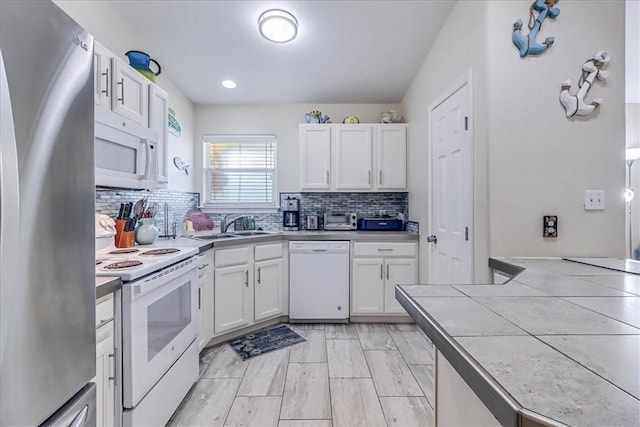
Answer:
(380, 319)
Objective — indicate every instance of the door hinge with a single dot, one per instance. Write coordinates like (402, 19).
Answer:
(466, 123)
(432, 239)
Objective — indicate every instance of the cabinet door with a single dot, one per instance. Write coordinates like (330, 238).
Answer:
(352, 157)
(159, 121)
(268, 289)
(129, 97)
(102, 74)
(367, 286)
(105, 376)
(397, 272)
(232, 298)
(315, 155)
(205, 299)
(391, 157)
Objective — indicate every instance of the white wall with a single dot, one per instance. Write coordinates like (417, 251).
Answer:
(281, 120)
(540, 162)
(461, 46)
(529, 159)
(109, 28)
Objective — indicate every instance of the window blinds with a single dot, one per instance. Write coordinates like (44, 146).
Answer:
(240, 170)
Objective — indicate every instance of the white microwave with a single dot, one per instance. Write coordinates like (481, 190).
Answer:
(126, 154)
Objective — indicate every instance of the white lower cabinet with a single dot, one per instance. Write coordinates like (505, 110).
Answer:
(105, 364)
(249, 285)
(233, 298)
(367, 286)
(268, 289)
(205, 298)
(376, 269)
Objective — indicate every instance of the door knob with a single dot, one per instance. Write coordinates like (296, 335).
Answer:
(432, 239)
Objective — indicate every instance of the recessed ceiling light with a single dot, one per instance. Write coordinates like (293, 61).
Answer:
(229, 84)
(278, 26)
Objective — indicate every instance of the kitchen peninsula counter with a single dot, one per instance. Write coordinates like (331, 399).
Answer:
(557, 344)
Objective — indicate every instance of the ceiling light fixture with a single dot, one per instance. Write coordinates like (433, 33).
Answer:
(278, 26)
(229, 84)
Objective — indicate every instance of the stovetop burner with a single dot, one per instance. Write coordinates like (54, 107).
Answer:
(122, 264)
(162, 251)
(124, 251)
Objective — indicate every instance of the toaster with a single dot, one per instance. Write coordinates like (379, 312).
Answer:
(340, 221)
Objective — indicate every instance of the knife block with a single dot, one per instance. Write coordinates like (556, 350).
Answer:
(124, 239)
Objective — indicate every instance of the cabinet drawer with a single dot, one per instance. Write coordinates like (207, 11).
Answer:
(232, 256)
(269, 251)
(104, 309)
(104, 332)
(385, 249)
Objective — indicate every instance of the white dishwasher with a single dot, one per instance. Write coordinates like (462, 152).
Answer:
(319, 281)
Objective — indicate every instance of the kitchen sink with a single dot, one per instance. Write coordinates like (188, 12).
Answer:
(250, 233)
(216, 236)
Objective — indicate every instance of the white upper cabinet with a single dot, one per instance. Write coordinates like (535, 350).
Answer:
(362, 157)
(391, 157)
(159, 121)
(315, 149)
(353, 149)
(129, 97)
(102, 74)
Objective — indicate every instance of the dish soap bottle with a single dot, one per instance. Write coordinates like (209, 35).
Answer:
(252, 223)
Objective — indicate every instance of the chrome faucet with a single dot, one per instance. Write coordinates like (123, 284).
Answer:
(225, 224)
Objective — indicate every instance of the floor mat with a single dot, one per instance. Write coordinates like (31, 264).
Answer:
(262, 342)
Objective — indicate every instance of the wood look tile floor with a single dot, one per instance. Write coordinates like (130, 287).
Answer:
(342, 376)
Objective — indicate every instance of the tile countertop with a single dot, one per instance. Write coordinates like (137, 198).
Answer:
(560, 343)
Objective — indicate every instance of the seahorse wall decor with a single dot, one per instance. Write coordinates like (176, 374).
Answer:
(574, 105)
(528, 45)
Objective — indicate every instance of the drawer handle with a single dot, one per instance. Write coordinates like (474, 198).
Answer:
(259, 268)
(327, 177)
(385, 250)
(202, 267)
(380, 177)
(104, 322)
(381, 272)
(387, 271)
(246, 278)
(369, 178)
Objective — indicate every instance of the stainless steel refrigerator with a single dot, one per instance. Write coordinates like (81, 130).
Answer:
(47, 266)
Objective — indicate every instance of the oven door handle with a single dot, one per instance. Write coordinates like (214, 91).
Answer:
(157, 280)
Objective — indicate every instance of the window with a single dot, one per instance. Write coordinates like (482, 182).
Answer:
(239, 171)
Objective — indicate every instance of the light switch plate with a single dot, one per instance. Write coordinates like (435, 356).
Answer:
(593, 200)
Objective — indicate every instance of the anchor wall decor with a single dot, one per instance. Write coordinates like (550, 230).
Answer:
(528, 45)
(574, 105)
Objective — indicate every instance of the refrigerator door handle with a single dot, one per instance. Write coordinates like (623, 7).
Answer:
(9, 208)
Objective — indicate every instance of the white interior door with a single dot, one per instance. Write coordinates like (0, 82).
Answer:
(451, 233)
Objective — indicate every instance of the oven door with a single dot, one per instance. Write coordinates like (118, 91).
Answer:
(160, 320)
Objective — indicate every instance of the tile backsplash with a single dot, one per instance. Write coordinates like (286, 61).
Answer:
(108, 202)
(180, 203)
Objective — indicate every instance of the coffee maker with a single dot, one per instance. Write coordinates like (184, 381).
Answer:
(290, 214)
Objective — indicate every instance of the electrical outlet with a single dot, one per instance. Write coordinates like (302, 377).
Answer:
(593, 200)
(550, 226)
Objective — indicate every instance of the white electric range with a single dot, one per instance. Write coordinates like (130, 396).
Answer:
(160, 323)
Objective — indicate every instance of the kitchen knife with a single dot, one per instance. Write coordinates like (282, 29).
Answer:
(121, 212)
